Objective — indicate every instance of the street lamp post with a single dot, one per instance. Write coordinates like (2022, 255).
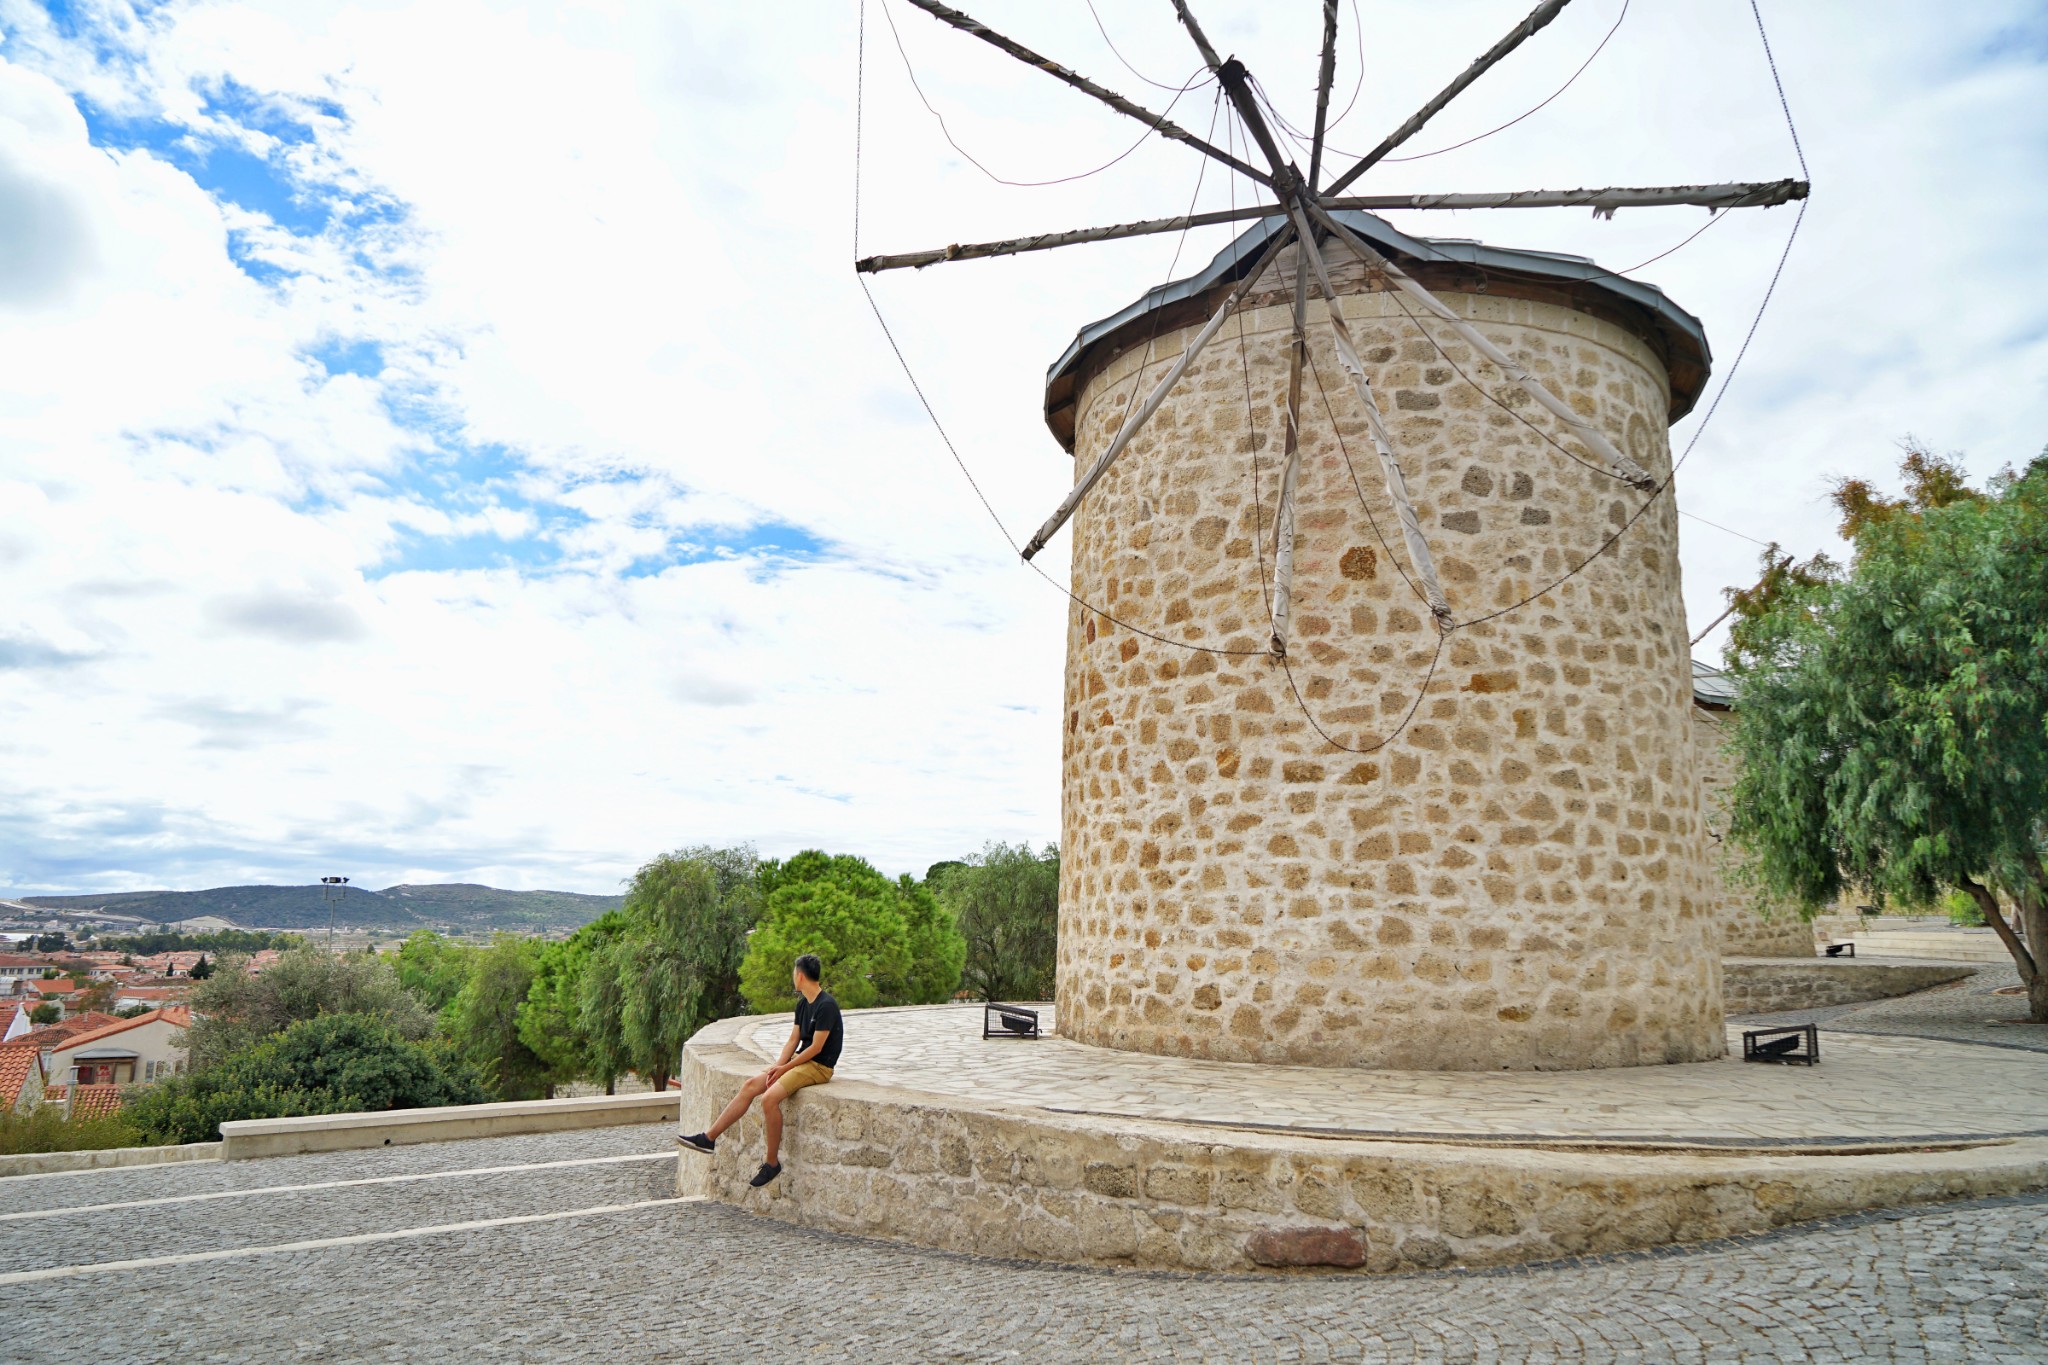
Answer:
(332, 890)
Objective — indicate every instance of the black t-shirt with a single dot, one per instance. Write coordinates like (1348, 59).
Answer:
(816, 1016)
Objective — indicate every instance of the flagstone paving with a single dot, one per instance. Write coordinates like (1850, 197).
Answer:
(692, 1282)
(1867, 1088)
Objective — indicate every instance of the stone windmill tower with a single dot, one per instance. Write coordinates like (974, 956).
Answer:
(1377, 749)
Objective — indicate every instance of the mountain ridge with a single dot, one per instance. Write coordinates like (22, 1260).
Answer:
(459, 906)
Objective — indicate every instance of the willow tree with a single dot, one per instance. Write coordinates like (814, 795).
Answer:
(1894, 727)
(675, 965)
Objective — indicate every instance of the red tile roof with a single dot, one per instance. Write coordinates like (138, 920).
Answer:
(61, 986)
(176, 1015)
(54, 1035)
(18, 1061)
(54, 1094)
(95, 1101)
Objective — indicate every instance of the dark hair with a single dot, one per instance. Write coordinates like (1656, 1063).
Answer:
(812, 969)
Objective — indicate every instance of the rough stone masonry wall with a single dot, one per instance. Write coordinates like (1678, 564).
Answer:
(1515, 880)
(1746, 930)
(994, 1181)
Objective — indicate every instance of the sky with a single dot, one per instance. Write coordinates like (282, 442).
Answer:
(448, 442)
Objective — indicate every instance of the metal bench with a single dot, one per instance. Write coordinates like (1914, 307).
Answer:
(1008, 1021)
(1798, 1045)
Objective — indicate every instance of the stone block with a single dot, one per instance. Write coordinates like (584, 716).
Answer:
(1111, 1180)
(1343, 1247)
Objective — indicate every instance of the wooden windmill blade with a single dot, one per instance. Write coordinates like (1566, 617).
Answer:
(1308, 212)
(1138, 418)
(1284, 520)
(1383, 445)
(1326, 73)
(1157, 122)
(1514, 38)
(1603, 202)
(1620, 464)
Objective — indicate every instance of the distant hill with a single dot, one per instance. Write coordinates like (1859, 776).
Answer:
(461, 906)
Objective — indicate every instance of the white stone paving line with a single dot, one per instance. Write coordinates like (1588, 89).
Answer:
(65, 1272)
(327, 1185)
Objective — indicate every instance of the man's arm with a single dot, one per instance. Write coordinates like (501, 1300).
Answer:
(818, 1041)
(782, 1062)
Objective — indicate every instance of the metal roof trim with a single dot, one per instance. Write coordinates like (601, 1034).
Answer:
(1712, 687)
(1567, 268)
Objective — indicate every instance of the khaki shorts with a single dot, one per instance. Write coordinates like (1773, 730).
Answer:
(797, 1077)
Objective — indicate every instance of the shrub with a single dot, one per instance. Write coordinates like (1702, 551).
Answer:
(45, 1129)
(334, 1064)
(232, 1010)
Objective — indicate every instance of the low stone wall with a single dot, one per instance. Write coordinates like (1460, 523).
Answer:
(998, 1181)
(394, 1127)
(56, 1163)
(1775, 985)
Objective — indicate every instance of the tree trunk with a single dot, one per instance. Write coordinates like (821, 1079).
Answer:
(2030, 973)
(611, 1085)
(2033, 917)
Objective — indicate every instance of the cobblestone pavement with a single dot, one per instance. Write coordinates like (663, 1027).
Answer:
(1870, 1087)
(704, 1282)
(1968, 1011)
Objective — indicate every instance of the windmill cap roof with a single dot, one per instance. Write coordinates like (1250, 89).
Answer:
(1677, 335)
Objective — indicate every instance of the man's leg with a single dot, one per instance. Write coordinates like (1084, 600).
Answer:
(733, 1111)
(771, 1122)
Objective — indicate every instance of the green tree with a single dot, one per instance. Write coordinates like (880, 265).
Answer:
(882, 942)
(1894, 727)
(232, 1010)
(334, 1064)
(202, 969)
(676, 966)
(1007, 903)
(45, 1014)
(552, 1023)
(434, 968)
(482, 1021)
(933, 945)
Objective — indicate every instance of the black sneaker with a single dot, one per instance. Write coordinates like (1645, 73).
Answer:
(767, 1173)
(697, 1141)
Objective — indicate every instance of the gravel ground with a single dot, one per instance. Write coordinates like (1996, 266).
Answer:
(704, 1282)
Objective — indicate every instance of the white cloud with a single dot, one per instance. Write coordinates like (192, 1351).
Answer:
(493, 601)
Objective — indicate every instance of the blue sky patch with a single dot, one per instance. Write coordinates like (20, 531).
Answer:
(336, 356)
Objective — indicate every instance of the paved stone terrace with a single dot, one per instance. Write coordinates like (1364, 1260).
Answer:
(1866, 1088)
(702, 1282)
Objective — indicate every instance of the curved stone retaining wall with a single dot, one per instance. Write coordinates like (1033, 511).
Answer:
(994, 1181)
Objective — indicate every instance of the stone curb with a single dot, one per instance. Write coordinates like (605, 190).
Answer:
(1752, 985)
(55, 1163)
(247, 1138)
(1004, 1180)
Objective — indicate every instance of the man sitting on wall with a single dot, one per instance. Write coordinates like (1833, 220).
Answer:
(807, 1059)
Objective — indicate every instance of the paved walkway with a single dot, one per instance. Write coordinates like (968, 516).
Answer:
(582, 1256)
(1867, 1088)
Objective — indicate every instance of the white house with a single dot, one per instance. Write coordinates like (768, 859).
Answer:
(148, 1047)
